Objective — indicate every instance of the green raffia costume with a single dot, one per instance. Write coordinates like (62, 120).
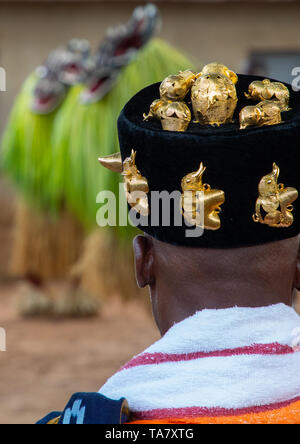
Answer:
(38, 251)
(82, 132)
(52, 161)
(78, 139)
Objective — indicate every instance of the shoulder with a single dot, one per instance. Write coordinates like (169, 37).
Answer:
(90, 408)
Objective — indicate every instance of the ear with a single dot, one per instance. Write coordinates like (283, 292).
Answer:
(258, 114)
(233, 77)
(297, 273)
(144, 261)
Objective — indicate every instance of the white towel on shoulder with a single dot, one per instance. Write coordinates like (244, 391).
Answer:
(229, 360)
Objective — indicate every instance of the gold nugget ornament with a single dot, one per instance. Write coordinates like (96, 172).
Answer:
(275, 200)
(201, 204)
(136, 186)
(267, 90)
(176, 87)
(214, 99)
(264, 113)
(174, 116)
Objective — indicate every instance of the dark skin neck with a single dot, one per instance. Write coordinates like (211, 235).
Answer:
(185, 280)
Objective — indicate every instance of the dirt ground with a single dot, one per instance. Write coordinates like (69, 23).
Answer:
(48, 360)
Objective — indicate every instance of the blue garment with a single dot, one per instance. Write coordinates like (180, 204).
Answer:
(90, 408)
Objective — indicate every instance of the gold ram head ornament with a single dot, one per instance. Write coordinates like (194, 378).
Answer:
(176, 87)
(214, 99)
(201, 204)
(174, 116)
(267, 90)
(275, 200)
(219, 68)
(136, 186)
(264, 113)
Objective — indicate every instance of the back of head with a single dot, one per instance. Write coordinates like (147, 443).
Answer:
(232, 236)
(184, 280)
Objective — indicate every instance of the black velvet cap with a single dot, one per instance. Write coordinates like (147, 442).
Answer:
(235, 161)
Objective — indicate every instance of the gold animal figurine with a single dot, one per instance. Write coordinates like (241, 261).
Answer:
(174, 116)
(156, 108)
(267, 90)
(214, 99)
(219, 68)
(275, 200)
(201, 204)
(264, 113)
(176, 87)
(133, 180)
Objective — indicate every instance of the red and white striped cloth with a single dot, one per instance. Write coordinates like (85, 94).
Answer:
(217, 362)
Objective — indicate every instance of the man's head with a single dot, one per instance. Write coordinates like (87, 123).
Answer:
(247, 255)
(184, 280)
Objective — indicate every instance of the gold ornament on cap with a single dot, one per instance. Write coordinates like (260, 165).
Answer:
(155, 110)
(174, 116)
(176, 87)
(133, 180)
(275, 200)
(219, 68)
(198, 197)
(264, 113)
(214, 99)
(267, 90)
(112, 162)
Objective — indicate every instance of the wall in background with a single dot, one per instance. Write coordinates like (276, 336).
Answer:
(208, 31)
